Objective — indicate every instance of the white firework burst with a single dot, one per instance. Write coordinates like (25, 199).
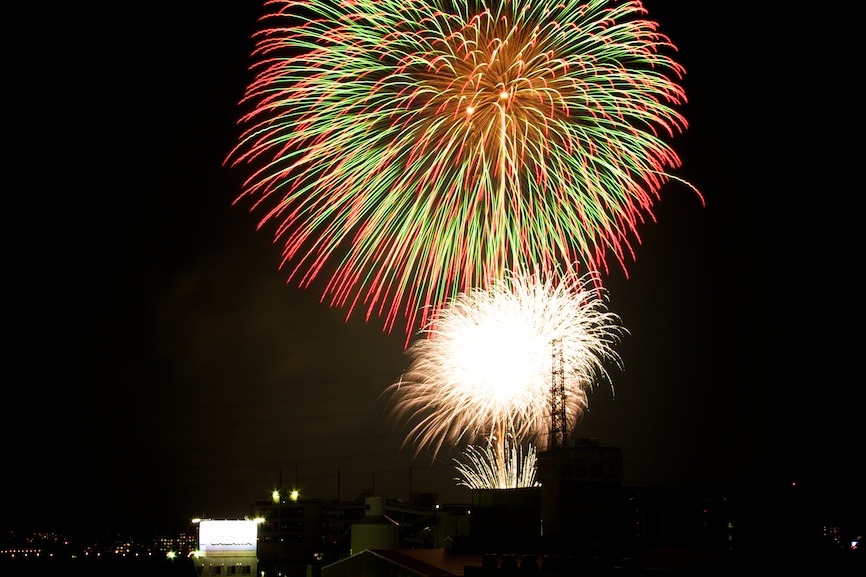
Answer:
(484, 366)
(483, 470)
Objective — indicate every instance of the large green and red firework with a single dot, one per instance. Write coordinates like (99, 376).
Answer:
(408, 150)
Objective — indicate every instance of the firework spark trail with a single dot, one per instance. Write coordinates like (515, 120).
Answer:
(483, 470)
(411, 150)
(482, 368)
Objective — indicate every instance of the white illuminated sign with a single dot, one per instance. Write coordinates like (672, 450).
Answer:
(227, 535)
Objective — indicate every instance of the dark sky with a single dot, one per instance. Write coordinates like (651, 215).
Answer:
(160, 367)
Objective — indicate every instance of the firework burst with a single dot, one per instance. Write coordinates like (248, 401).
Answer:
(483, 368)
(410, 150)
(482, 469)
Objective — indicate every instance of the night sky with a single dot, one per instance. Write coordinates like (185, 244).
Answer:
(160, 367)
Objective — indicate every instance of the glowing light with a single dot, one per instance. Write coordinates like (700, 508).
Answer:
(412, 150)
(459, 387)
(483, 470)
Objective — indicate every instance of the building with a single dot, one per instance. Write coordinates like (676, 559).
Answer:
(226, 548)
(582, 501)
(297, 537)
(375, 530)
(581, 520)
